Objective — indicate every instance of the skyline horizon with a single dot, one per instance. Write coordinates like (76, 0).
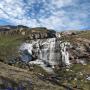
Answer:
(8, 25)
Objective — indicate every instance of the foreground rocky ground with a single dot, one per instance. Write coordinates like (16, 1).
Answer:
(21, 79)
(74, 78)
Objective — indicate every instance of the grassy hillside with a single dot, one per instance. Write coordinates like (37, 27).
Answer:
(76, 76)
(9, 46)
(80, 36)
(84, 34)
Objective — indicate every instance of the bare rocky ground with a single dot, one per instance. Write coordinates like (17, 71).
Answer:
(21, 79)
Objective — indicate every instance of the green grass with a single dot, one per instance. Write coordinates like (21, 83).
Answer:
(9, 46)
(85, 34)
(76, 76)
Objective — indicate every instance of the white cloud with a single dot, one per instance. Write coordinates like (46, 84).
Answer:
(60, 3)
(51, 13)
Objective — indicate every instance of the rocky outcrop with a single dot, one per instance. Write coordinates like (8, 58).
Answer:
(28, 33)
(40, 35)
(80, 51)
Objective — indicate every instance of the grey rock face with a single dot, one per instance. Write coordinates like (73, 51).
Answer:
(79, 53)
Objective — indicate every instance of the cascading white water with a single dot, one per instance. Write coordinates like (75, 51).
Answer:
(26, 50)
(27, 46)
(47, 52)
(65, 53)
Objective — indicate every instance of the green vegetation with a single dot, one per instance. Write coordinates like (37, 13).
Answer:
(75, 76)
(74, 38)
(9, 46)
(84, 34)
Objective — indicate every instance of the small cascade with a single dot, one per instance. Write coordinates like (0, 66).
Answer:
(65, 53)
(26, 52)
(27, 46)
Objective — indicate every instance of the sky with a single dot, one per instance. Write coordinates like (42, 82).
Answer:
(54, 14)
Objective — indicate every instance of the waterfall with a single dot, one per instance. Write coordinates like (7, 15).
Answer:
(48, 52)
